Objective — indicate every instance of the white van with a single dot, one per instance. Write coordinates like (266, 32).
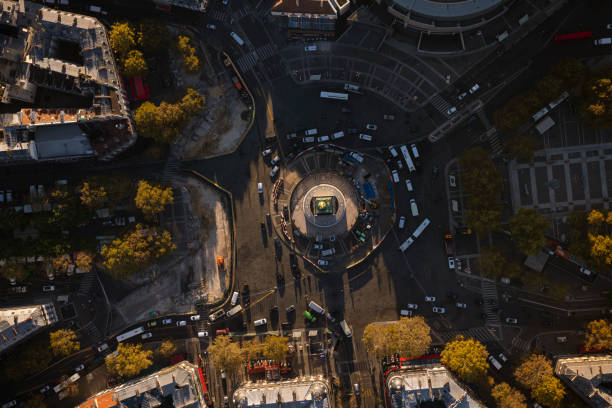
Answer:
(495, 363)
(203, 334)
(322, 139)
(274, 172)
(328, 252)
(237, 38)
(309, 139)
(393, 151)
(234, 298)
(316, 308)
(338, 135)
(415, 151)
(395, 176)
(260, 322)
(234, 310)
(311, 132)
(414, 208)
(346, 329)
(356, 156)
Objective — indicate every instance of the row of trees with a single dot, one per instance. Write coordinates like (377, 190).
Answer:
(191, 62)
(165, 122)
(590, 235)
(130, 43)
(409, 337)
(230, 356)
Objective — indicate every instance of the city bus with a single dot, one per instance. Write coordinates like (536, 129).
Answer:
(407, 158)
(417, 232)
(334, 95)
(573, 36)
(129, 334)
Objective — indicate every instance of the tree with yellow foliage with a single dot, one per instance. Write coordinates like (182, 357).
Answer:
(63, 342)
(83, 261)
(599, 335)
(130, 360)
(152, 199)
(136, 249)
(226, 354)
(190, 60)
(549, 392)
(275, 348)
(595, 218)
(148, 120)
(601, 248)
(609, 218)
(122, 38)
(466, 357)
(134, 64)
(409, 337)
(13, 271)
(533, 370)
(508, 397)
(192, 103)
(252, 349)
(92, 195)
(167, 348)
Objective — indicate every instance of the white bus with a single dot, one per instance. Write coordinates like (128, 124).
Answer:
(557, 101)
(406, 244)
(334, 95)
(129, 334)
(407, 158)
(417, 232)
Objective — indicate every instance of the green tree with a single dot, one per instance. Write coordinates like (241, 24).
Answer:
(151, 199)
(192, 103)
(226, 354)
(152, 36)
(64, 342)
(122, 38)
(130, 360)
(409, 337)
(492, 263)
(167, 348)
(148, 120)
(549, 392)
(508, 397)
(92, 195)
(134, 64)
(275, 348)
(533, 371)
(467, 358)
(528, 229)
(13, 271)
(521, 147)
(484, 219)
(136, 249)
(599, 334)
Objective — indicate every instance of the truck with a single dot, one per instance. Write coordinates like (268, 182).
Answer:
(352, 88)
(234, 310)
(346, 329)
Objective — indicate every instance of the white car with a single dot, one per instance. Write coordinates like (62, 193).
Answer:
(203, 334)
(266, 152)
(461, 305)
(502, 357)
(260, 188)
(322, 139)
(365, 137)
(409, 185)
(412, 306)
(462, 95)
(291, 136)
(195, 317)
(10, 404)
(102, 347)
(609, 26)
(371, 126)
(147, 335)
(451, 110)
(260, 322)
(274, 172)
(451, 262)
(211, 26)
(430, 298)
(402, 222)
(79, 368)
(323, 262)
(166, 321)
(310, 48)
(512, 320)
(275, 160)
(474, 88)
(181, 323)
(438, 310)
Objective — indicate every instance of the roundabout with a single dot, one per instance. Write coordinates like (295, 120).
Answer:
(333, 206)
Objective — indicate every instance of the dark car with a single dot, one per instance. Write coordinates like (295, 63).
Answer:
(353, 131)
(246, 295)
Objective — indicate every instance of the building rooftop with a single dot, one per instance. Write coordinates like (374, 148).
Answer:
(297, 7)
(175, 386)
(410, 387)
(298, 393)
(446, 9)
(18, 323)
(588, 376)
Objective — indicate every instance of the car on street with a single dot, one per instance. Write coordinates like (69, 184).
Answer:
(80, 367)
(389, 117)
(356, 389)
(451, 262)
(395, 176)
(406, 312)
(345, 110)
(430, 298)
(181, 323)
(310, 48)
(275, 160)
(147, 335)
(48, 288)
(211, 26)
(45, 389)
(609, 26)
(511, 320)
(402, 222)
(412, 306)
(330, 317)
(274, 172)
(266, 152)
(102, 347)
(217, 315)
(461, 305)
(451, 110)
(223, 332)
(203, 334)
(474, 88)
(400, 165)
(371, 126)
(318, 246)
(260, 322)
(322, 262)
(291, 136)
(502, 357)
(409, 185)
(438, 310)
(260, 188)
(462, 95)
(152, 324)
(195, 317)
(10, 404)
(494, 362)
(322, 139)
(225, 2)
(167, 321)
(290, 309)
(363, 136)
(352, 131)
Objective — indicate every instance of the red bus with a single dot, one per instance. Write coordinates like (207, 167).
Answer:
(573, 36)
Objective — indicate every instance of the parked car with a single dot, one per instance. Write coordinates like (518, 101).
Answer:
(474, 88)
(409, 185)
(452, 110)
(80, 367)
(274, 172)
(462, 95)
(371, 126)
(290, 309)
(322, 262)
(266, 152)
(181, 323)
(195, 317)
(512, 320)
(147, 335)
(211, 26)
(502, 357)
(203, 334)
(152, 324)
(218, 314)
(345, 110)
(166, 321)
(402, 222)
(102, 347)
(45, 389)
(412, 306)
(430, 298)
(363, 136)
(389, 117)
(275, 160)
(461, 305)
(310, 48)
(438, 310)
(451, 262)
(48, 288)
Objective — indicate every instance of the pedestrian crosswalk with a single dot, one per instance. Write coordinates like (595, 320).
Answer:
(489, 294)
(496, 145)
(87, 281)
(481, 334)
(171, 169)
(521, 344)
(440, 104)
(219, 15)
(92, 331)
(247, 62)
(265, 52)
(243, 12)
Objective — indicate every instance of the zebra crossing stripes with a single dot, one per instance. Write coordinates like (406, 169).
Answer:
(521, 344)
(171, 170)
(481, 334)
(489, 294)
(243, 12)
(265, 52)
(92, 331)
(440, 104)
(496, 145)
(247, 62)
(218, 15)
(87, 281)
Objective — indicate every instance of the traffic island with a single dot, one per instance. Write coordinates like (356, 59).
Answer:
(333, 206)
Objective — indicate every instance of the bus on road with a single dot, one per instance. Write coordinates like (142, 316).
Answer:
(407, 158)
(334, 95)
(129, 334)
(417, 232)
